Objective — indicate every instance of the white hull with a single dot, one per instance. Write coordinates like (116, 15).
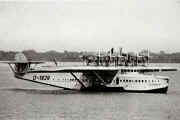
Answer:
(132, 82)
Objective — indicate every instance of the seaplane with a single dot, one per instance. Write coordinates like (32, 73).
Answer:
(102, 73)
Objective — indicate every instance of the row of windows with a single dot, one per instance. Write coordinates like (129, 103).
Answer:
(72, 79)
(130, 70)
(142, 81)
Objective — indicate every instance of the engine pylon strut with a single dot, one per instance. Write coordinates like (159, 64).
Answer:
(78, 80)
(99, 78)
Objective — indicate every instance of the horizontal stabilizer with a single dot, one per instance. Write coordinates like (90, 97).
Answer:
(31, 62)
(21, 58)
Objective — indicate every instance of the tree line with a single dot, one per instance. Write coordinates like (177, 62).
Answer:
(73, 56)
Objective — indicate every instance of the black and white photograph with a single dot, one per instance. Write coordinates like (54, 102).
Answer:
(89, 59)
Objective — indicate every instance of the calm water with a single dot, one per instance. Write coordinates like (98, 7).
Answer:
(21, 100)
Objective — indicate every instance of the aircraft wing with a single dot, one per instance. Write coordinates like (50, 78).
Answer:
(103, 68)
(155, 69)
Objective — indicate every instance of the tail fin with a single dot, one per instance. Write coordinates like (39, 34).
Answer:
(22, 65)
(20, 57)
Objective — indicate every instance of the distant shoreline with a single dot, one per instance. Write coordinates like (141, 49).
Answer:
(73, 56)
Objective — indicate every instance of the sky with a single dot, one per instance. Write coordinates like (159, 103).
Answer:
(90, 25)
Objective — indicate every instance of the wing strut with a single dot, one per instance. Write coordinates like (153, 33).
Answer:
(99, 77)
(77, 79)
(11, 67)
